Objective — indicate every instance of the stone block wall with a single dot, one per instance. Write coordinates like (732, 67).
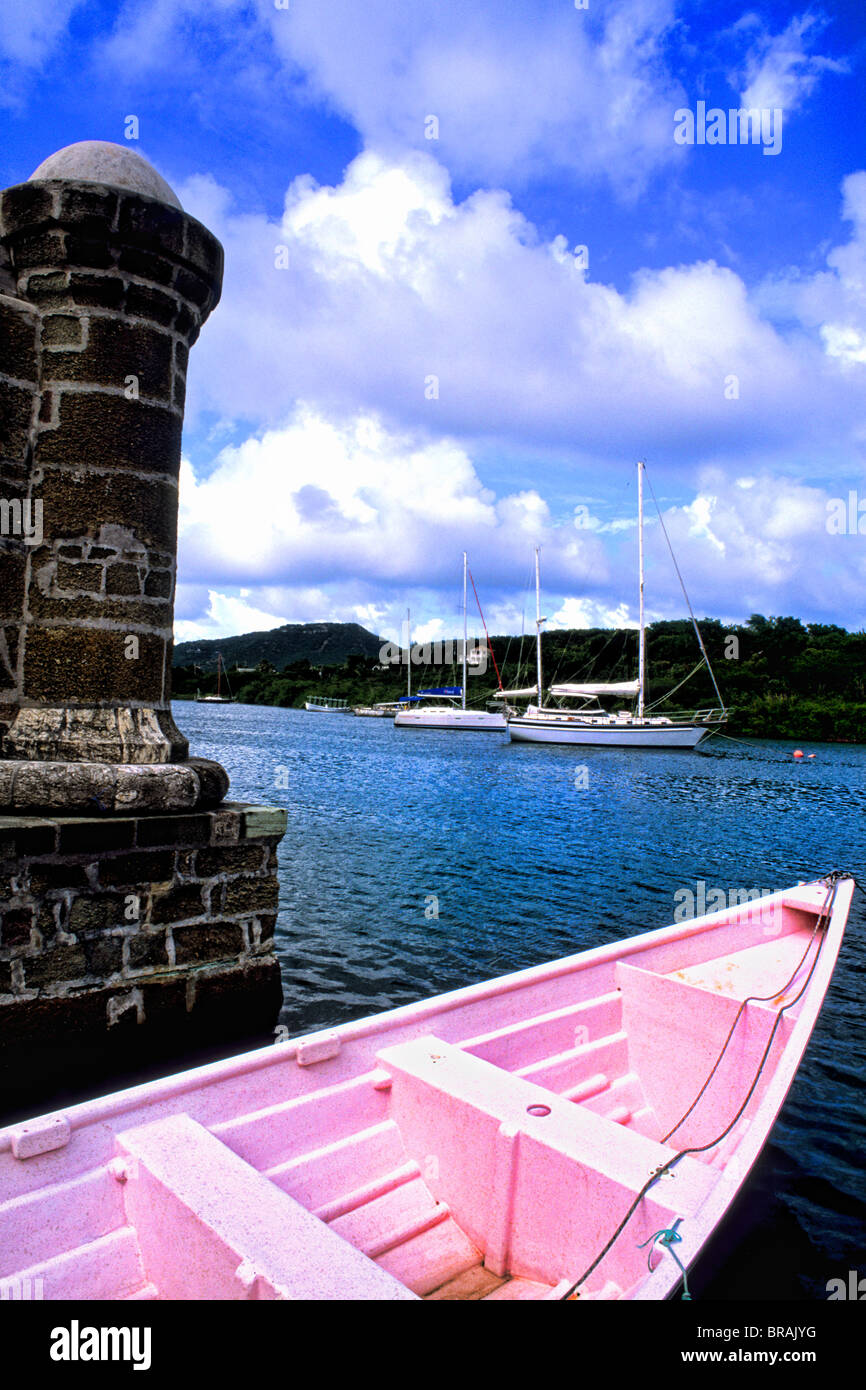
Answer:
(19, 336)
(128, 940)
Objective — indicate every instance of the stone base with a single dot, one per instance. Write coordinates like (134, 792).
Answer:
(131, 946)
(96, 789)
(93, 733)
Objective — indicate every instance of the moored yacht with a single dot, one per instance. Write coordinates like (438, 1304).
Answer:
(440, 709)
(218, 698)
(445, 706)
(590, 723)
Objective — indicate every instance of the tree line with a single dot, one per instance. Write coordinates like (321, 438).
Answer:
(779, 677)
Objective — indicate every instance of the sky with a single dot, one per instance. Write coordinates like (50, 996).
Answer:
(482, 256)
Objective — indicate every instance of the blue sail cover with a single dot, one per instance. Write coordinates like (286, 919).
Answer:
(442, 690)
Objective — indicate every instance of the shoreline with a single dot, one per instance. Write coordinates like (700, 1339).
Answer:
(740, 737)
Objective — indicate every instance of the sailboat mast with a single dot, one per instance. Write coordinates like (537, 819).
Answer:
(408, 655)
(538, 622)
(464, 630)
(642, 638)
(219, 666)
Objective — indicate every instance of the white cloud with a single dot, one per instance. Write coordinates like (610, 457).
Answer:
(831, 303)
(581, 612)
(30, 33)
(365, 491)
(390, 285)
(780, 72)
(353, 523)
(764, 548)
(225, 616)
(512, 86)
(347, 522)
(30, 29)
(585, 90)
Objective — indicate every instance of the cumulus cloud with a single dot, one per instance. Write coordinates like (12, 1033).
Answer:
(350, 522)
(322, 502)
(353, 523)
(588, 92)
(582, 612)
(757, 544)
(831, 303)
(223, 616)
(407, 330)
(29, 31)
(589, 89)
(386, 293)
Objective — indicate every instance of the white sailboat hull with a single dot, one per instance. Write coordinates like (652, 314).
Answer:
(568, 729)
(473, 721)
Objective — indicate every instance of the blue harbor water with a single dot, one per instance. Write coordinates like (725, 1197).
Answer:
(419, 861)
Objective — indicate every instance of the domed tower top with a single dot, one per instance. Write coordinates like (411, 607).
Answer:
(100, 161)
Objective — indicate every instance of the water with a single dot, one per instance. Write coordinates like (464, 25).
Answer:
(525, 858)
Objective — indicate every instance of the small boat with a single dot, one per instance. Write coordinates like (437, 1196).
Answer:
(325, 704)
(591, 724)
(575, 1130)
(370, 711)
(216, 699)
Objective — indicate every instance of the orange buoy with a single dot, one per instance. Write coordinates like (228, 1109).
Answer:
(798, 752)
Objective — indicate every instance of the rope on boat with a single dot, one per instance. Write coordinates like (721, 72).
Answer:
(746, 743)
(668, 693)
(667, 1237)
(832, 880)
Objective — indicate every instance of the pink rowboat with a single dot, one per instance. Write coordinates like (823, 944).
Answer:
(509, 1140)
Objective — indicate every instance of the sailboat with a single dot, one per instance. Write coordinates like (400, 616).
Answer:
(590, 724)
(438, 708)
(217, 699)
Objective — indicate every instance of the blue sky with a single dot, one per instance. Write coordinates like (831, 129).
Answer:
(435, 364)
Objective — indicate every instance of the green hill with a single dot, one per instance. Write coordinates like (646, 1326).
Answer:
(322, 644)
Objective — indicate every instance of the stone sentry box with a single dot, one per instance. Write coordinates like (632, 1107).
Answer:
(137, 907)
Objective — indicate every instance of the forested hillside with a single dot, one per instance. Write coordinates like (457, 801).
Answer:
(323, 644)
(780, 678)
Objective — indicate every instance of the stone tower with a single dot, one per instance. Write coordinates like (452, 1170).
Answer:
(123, 873)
